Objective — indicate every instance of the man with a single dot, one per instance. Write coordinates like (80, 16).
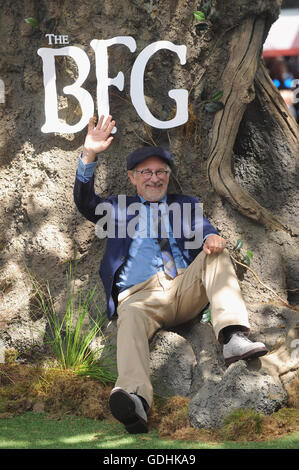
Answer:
(157, 281)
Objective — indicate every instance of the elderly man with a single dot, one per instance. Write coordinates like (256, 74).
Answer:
(152, 278)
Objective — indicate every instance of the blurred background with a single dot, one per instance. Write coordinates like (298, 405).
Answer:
(281, 55)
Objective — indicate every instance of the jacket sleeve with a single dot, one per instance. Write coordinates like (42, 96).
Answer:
(86, 199)
(203, 223)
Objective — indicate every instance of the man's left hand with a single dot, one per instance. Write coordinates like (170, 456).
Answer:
(214, 244)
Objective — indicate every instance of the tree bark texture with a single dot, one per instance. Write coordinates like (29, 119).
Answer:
(240, 162)
(243, 76)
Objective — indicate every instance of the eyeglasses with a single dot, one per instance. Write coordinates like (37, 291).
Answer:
(147, 174)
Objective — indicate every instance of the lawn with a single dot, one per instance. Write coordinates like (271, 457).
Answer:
(41, 431)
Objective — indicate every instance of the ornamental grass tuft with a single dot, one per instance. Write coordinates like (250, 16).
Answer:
(71, 336)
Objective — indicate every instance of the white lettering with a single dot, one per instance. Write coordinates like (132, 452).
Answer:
(121, 216)
(100, 47)
(65, 39)
(137, 87)
(50, 38)
(52, 123)
(2, 91)
(58, 39)
(114, 460)
(192, 234)
(197, 230)
(105, 226)
(132, 209)
(170, 459)
(103, 81)
(176, 219)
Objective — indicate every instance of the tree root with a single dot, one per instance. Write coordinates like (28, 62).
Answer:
(292, 307)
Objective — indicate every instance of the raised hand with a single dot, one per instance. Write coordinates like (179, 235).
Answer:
(98, 138)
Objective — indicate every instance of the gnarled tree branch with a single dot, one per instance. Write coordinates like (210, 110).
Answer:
(242, 71)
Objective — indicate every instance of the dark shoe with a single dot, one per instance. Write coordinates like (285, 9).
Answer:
(128, 409)
(240, 347)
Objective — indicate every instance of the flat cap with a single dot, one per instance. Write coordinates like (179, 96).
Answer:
(143, 153)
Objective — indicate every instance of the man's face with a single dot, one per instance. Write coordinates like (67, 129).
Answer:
(151, 188)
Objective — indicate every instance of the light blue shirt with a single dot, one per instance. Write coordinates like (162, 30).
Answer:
(85, 171)
(144, 259)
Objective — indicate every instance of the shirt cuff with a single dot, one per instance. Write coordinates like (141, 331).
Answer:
(204, 239)
(85, 171)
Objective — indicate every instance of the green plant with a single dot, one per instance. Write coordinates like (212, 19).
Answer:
(247, 255)
(206, 16)
(215, 104)
(212, 104)
(69, 337)
(32, 22)
(206, 316)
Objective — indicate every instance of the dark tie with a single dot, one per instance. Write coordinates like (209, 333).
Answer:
(168, 260)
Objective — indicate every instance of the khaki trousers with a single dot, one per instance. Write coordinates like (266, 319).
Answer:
(162, 302)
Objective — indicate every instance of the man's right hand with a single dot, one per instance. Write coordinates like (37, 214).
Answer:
(97, 139)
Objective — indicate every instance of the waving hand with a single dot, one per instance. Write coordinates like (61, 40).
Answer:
(98, 138)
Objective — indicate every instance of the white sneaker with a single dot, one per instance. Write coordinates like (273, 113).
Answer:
(129, 410)
(240, 347)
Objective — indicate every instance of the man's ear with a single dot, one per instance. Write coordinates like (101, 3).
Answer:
(131, 176)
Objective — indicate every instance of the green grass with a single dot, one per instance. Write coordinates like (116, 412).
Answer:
(68, 337)
(40, 431)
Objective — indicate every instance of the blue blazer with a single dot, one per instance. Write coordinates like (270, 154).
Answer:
(117, 249)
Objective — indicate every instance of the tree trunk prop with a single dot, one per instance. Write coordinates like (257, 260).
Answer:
(244, 77)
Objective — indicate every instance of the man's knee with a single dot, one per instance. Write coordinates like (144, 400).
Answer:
(129, 316)
(136, 322)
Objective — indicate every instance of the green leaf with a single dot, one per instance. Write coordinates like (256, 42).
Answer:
(32, 22)
(214, 107)
(201, 27)
(247, 260)
(206, 316)
(249, 254)
(217, 95)
(239, 244)
(199, 15)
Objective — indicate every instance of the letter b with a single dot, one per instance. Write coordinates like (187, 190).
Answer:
(52, 123)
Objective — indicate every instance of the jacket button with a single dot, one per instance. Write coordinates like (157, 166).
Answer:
(122, 258)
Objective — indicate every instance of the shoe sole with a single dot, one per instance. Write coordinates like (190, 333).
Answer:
(122, 407)
(254, 353)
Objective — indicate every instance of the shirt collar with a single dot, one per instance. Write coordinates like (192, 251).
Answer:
(144, 200)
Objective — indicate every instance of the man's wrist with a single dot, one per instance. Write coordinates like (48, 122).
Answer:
(85, 171)
(88, 156)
